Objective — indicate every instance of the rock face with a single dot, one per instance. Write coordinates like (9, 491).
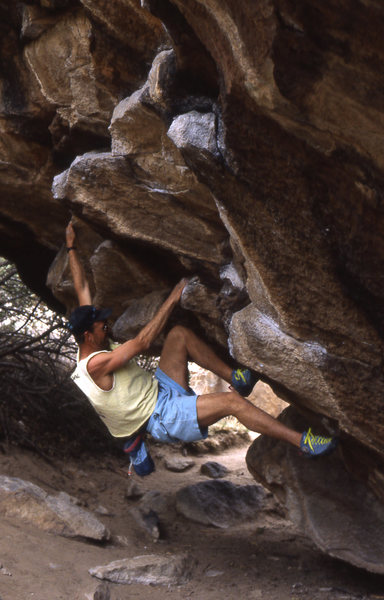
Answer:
(239, 142)
(340, 514)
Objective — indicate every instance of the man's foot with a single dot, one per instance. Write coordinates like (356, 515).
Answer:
(243, 381)
(316, 445)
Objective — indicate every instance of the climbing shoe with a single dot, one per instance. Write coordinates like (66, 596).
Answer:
(243, 381)
(316, 445)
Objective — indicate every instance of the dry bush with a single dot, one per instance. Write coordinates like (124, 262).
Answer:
(40, 406)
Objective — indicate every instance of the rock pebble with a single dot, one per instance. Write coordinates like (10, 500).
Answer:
(213, 573)
(151, 569)
(219, 503)
(178, 465)
(4, 571)
(214, 470)
(103, 511)
(59, 514)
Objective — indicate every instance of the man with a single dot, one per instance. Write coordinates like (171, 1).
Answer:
(130, 401)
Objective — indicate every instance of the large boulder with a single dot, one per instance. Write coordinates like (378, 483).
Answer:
(239, 142)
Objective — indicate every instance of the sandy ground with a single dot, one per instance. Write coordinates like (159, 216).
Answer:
(264, 559)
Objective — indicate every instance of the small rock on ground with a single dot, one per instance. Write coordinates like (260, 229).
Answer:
(178, 465)
(151, 569)
(214, 470)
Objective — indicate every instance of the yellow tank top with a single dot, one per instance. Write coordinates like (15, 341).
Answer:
(128, 404)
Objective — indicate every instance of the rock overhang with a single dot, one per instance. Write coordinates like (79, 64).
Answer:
(267, 168)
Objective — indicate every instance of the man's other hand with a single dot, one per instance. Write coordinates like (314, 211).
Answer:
(70, 235)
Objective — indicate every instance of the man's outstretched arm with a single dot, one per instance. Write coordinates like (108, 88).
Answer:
(77, 271)
(106, 363)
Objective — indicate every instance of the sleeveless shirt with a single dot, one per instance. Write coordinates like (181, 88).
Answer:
(128, 404)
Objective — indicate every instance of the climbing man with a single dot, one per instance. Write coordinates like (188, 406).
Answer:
(130, 401)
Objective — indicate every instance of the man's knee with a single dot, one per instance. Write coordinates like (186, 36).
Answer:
(178, 332)
(237, 403)
(231, 402)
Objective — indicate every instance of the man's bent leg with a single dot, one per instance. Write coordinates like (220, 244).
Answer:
(213, 407)
(182, 345)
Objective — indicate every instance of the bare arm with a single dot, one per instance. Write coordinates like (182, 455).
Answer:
(108, 362)
(77, 271)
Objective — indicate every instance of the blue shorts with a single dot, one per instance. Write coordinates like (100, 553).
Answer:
(175, 416)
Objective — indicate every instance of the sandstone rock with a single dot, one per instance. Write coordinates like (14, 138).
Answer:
(219, 503)
(148, 570)
(138, 131)
(326, 502)
(138, 314)
(35, 22)
(198, 298)
(68, 79)
(263, 396)
(121, 16)
(27, 171)
(195, 130)
(100, 182)
(57, 514)
(161, 77)
(178, 464)
(223, 440)
(214, 470)
(205, 382)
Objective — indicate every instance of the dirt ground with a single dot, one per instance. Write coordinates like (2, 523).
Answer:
(264, 559)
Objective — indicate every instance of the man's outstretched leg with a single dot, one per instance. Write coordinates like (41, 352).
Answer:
(213, 407)
(182, 345)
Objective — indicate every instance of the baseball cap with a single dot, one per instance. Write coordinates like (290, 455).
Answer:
(83, 317)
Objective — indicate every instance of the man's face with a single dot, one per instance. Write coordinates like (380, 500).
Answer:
(100, 334)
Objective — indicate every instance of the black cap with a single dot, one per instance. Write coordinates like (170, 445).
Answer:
(83, 317)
